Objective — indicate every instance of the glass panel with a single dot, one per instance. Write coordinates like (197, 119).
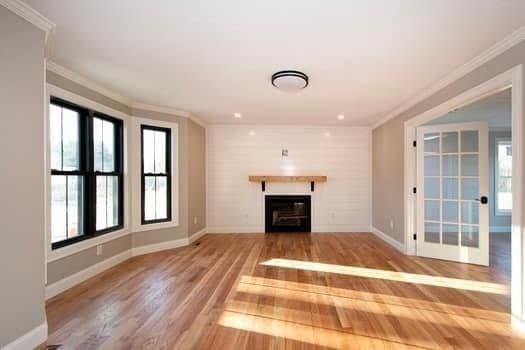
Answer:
(469, 189)
(451, 234)
(108, 146)
(450, 211)
(98, 144)
(470, 212)
(450, 142)
(450, 188)
(107, 202)
(431, 232)
(470, 236)
(432, 166)
(55, 136)
(148, 140)
(75, 195)
(70, 140)
(58, 208)
(504, 176)
(450, 166)
(149, 198)
(432, 210)
(432, 143)
(162, 199)
(101, 203)
(160, 152)
(469, 165)
(432, 188)
(469, 141)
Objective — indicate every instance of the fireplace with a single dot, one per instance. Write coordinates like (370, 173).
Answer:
(288, 213)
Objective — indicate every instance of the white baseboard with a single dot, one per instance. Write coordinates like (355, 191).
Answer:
(30, 340)
(500, 229)
(70, 281)
(197, 235)
(517, 323)
(393, 242)
(152, 248)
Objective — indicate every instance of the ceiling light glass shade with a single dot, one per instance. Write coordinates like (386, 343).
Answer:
(290, 80)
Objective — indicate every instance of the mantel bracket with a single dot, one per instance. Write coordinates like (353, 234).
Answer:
(263, 186)
(312, 186)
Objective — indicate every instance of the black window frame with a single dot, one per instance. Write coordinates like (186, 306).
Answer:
(87, 171)
(167, 174)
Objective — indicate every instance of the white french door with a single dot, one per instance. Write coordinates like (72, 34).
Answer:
(452, 192)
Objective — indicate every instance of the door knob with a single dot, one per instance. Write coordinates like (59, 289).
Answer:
(483, 199)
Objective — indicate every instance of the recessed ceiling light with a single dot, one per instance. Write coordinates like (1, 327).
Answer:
(290, 80)
(326, 134)
(341, 116)
(237, 115)
(251, 133)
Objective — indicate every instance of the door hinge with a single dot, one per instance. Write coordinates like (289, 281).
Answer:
(415, 236)
(414, 189)
(414, 143)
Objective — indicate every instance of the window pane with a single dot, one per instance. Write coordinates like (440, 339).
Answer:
(504, 178)
(107, 202)
(160, 152)
(469, 212)
(97, 144)
(149, 198)
(451, 234)
(108, 144)
(162, 198)
(431, 232)
(70, 140)
(450, 188)
(432, 143)
(58, 208)
(148, 150)
(432, 166)
(470, 236)
(469, 141)
(450, 211)
(450, 142)
(104, 144)
(450, 166)
(432, 188)
(432, 210)
(75, 198)
(469, 189)
(469, 165)
(55, 135)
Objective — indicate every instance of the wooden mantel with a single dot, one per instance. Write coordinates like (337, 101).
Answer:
(263, 179)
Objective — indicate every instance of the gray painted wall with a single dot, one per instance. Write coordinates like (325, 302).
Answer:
(192, 191)
(501, 221)
(22, 261)
(388, 143)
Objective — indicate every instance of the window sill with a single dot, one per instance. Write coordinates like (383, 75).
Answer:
(60, 253)
(157, 226)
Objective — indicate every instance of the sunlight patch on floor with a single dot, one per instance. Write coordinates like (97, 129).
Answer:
(301, 332)
(436, 281)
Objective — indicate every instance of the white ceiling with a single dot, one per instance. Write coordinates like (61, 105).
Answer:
(214, 58)
(495, 110)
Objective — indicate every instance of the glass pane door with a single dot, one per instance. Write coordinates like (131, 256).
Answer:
(452, 172)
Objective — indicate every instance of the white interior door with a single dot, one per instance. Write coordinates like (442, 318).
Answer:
(452, 192)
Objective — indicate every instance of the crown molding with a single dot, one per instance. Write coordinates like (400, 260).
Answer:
(79, 79)
(495, 50)
(29, 14)
(160, 109)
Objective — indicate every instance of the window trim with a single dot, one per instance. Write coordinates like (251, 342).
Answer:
(136, 166)
(497, 210)
(167, 174)
(53, 255)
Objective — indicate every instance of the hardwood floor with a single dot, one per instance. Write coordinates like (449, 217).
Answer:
(287, 291)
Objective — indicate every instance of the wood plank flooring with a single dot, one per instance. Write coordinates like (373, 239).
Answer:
(288, 291)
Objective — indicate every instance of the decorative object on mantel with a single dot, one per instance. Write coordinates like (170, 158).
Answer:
(263, 179)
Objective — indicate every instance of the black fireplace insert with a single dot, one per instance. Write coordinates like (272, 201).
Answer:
(288, 213)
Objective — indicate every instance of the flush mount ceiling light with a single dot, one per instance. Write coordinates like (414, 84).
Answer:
(290, 80)
(237, 115)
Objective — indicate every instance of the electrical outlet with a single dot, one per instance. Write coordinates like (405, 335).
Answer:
(195, 220)
(391, 224)
(332, 216)
(99, 249)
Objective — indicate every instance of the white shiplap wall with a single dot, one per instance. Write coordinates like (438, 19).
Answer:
(342, 204)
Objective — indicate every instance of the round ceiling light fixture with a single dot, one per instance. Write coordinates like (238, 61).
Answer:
(290, 80)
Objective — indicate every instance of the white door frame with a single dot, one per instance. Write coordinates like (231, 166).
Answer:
(512, 78)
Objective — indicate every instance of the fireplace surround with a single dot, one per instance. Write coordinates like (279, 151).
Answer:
(288, 213)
